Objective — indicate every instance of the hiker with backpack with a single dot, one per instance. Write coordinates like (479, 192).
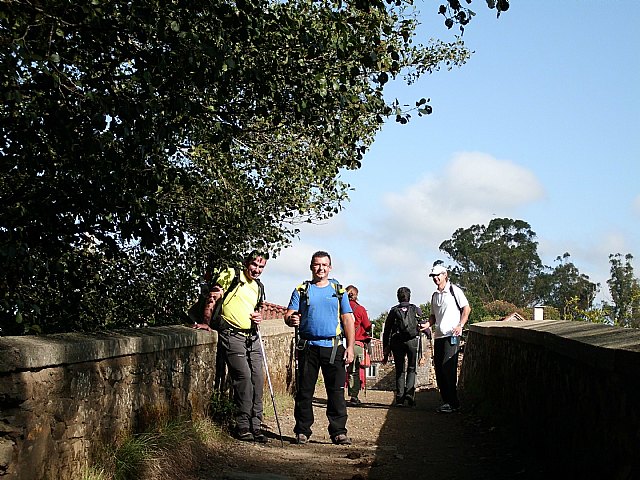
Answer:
(233, 310)
(356, 373)
(321, 313)
(401, 337)
(449, 312)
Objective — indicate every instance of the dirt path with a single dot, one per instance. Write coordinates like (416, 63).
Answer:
(388, 442)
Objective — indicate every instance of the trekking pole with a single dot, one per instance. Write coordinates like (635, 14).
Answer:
(296, 339)
(266, 369)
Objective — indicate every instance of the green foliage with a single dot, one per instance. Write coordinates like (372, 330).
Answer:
(552, 313)
(167, 449)
(573, 311)
(502, 272)
(222, 409)
(146, 141)
(378, 324)
(565, 288)
(499, 309)
(496, 262)
(625, 291)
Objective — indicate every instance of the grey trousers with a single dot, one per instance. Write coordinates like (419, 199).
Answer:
(244, 360)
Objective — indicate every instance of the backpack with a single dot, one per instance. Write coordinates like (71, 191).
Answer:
(406, 321)
(196, 312)
(303, 291)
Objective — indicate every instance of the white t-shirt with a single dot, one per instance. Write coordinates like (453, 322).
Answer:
(444, 307)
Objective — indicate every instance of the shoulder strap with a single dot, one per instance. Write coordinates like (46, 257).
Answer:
(339, 292)
(303, 291)
(235, 282)
(454, 296)
(261, 294)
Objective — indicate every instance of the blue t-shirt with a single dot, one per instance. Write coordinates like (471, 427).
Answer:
(320, 321)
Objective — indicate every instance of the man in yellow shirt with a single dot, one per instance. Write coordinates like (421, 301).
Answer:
(239, 343)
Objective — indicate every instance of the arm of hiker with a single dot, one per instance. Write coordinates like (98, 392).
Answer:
(427, 325)
(464, 317)
(292, 318)
(214, 295)
(256, 317)
(350, 334)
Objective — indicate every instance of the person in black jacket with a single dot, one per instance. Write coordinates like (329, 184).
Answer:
(401, 337)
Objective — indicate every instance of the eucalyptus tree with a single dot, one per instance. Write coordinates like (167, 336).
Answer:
(496, 262)
(566, 289)
(144, 141)
(625, 291)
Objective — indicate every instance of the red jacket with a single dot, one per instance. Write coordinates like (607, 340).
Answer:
(362, 323)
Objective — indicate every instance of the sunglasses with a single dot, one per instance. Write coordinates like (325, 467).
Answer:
(433, 275)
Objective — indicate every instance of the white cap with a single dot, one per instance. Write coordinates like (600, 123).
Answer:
(437, 270)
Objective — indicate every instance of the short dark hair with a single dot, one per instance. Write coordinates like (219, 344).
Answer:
(253, 255)
(404, 294)
(352, 292)
(319, 254)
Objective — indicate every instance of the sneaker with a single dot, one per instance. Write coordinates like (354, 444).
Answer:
(444, 408)
(260, 437)
(341, 439)
(399, 402)
(301, 439)
(245, 435)
(354, 402)
(411, 402)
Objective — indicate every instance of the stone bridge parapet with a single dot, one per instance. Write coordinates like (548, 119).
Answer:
(569, 391)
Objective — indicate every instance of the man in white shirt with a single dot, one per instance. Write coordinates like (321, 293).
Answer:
(449, 312)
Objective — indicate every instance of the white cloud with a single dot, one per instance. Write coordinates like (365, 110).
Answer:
(636, 206)
(381, 249)
(473, 188)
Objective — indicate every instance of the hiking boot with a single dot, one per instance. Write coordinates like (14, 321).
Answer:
(341, 439)
(301, 439)
(244, 434)
(445, 408)
(260, 437)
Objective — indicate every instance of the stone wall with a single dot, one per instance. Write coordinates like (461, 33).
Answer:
(569, 391)
(63, 396)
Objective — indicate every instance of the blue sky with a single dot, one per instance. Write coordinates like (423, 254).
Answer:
(542, 124)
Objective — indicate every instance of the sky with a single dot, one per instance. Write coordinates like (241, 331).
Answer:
(542, 124)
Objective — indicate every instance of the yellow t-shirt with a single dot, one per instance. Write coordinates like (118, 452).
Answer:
(241, 302)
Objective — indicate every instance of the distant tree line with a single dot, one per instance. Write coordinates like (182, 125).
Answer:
(499, 268)
(501, 271)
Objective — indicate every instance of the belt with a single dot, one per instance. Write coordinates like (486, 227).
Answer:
(246, 332)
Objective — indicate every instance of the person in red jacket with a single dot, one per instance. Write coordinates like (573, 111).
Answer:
(356, 374)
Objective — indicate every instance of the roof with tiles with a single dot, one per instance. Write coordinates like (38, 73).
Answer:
(514, 316)
(271, 311)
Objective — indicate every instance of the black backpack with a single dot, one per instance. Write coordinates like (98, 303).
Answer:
(406, 321)
(196, 312)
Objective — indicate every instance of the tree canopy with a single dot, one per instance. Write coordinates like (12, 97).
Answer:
(499, 265)
(625, 291)
(145, 141)
(496, 262)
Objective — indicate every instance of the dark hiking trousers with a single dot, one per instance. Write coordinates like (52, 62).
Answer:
(405, 374)
(244, 359)
(445, 359)
(312, 359)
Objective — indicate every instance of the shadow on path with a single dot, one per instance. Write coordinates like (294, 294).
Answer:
(388, 442)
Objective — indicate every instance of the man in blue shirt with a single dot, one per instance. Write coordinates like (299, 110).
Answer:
(320, 311)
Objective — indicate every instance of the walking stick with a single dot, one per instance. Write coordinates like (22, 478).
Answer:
(266, 369)
(296, 339)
